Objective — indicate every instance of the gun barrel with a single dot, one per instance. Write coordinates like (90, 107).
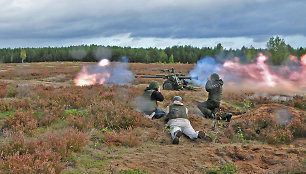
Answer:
(187, 77)
(144, 76)
(162, 70)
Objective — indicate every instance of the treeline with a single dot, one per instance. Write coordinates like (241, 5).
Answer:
(277, 50)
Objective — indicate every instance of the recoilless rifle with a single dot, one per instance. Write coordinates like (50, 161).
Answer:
(175, 81)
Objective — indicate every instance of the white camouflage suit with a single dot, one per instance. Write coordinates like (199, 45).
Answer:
(181, 124)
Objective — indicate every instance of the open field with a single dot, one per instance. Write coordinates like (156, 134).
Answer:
(49, 125)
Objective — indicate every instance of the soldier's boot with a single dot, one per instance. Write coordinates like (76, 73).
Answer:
(149, 116)
(208, 113)
(204, 137)
(178, 135)
(228, 117)
(224, 116)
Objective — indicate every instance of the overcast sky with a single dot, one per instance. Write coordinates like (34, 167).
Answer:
(151, 23)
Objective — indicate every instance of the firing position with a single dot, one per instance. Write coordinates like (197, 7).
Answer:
(209, 108)
(177, 120)
(150, 96)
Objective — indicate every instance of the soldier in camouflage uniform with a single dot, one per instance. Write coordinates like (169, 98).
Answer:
(177, 120)
(150, 97)
(214, 88)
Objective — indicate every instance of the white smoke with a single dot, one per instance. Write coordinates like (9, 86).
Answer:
(101, 52)
(141, 104)
(121, 73)
(105, 73)
(78, 52)
(282, 116)
(275, 98)
(203, 69)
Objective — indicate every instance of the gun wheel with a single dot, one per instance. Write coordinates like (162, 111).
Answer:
(167, 86)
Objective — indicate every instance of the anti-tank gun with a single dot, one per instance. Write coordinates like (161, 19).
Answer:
(175, 81)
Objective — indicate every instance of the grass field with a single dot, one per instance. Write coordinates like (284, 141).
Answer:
(49, 125)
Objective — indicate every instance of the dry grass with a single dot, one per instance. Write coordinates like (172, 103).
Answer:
(43, 124)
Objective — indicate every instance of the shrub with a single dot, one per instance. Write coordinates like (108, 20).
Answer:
(11, 92)
(69, 141)
(13, 143)
(49, 116)
(79, 119)
(261, 124)
(122, 139)
(75, 139)
(7, 105)
(129, 171)
(42, 161)
(298, 126)
(70, 100)
(39, 155)
(229, 168)
(80, 122)
(277, 136)
(114, 115)
(3, 91)
(21, 121)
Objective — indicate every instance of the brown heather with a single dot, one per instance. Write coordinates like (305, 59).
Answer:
(49, 120)
(21, 121)
(39, 155)
(124, 138)
(259, 124)
(3, 91)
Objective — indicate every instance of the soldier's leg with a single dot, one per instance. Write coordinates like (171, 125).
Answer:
(188, 130)
(158, 114)
(174, 129)
(203, 108)
(212, 108)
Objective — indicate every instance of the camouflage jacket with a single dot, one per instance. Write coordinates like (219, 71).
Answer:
(214, 89)
(149, 104)
(176, 110)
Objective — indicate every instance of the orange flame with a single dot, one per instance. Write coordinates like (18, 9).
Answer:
(84, 78)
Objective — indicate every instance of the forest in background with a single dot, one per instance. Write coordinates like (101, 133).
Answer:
(277, 50)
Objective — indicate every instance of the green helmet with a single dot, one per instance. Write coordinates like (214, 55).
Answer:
(154, 85)
(177, 98)
(214, 76)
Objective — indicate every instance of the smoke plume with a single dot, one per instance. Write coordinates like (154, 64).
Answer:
(105, 73)
(282, 116)
(102, 52)
(121, 73)
(140, 104)
(257, 76)
(78, 52)
(203, 69)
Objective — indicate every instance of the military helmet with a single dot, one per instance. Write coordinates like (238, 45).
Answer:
(214, 76)
(177, 98)
(154, 85)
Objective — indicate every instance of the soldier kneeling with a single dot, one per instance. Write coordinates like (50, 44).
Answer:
(177, 119)
(208, 108)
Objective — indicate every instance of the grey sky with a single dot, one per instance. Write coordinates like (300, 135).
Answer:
(160, 23)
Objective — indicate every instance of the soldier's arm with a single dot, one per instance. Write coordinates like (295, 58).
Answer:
(218, 84)
(209, 86)
(213, 84)
(157, 96)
